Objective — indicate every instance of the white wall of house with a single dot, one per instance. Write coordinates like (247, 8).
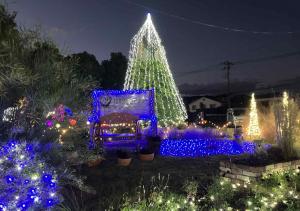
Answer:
(203, 103)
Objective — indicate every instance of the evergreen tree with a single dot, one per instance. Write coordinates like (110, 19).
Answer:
(148, 68)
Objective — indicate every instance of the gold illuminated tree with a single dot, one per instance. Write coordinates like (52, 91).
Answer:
(253, 128)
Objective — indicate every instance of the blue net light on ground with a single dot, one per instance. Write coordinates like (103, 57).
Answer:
(204, 147)
(128, 145)
(25, 181)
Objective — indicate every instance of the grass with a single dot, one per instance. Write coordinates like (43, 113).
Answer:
(111, 181)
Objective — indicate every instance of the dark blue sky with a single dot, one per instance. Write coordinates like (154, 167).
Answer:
(104, 26)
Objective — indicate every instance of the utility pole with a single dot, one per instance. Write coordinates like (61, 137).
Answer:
(227, 67)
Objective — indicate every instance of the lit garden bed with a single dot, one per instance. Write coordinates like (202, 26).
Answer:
(247, 173)
(262, 163)
(204, 147)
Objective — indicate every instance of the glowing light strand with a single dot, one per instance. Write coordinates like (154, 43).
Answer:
(148, 68)
(197, 22)
(253, 128)
(26, 182)
(285, 104)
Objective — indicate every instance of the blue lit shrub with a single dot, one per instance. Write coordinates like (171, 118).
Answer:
(26, 181)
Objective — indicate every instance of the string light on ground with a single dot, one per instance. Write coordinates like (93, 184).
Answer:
(261, 194)
(204, 147)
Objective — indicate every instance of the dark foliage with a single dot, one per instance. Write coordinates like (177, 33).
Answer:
(273, 155)
(152, 139)
(147, 151)
(123, 154)
(113, 71)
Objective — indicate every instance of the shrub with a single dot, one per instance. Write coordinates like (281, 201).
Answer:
(277, 191)
(191, 188)
(27, 181)
(156, 196)
(287, 125)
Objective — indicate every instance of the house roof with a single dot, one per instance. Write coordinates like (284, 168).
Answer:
(237, 100)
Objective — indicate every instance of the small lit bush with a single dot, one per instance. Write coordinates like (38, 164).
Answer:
(278, 191)
(287, 126)
(26, 181)
(190, 186)
(157, 196)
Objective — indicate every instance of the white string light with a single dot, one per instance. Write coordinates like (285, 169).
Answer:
(253, 128)
(148, 68)
(285, 103)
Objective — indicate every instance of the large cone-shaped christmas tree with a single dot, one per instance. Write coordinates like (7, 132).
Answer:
(148, 68)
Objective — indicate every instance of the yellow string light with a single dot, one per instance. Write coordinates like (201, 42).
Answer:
(253, 128)
(285, 103)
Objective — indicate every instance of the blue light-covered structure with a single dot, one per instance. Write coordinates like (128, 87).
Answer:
(140, 103)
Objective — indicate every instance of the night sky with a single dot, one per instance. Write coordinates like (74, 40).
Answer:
(104, 26)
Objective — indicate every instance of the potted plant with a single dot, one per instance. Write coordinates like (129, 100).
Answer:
(94, 160)
(95, 157)
(124, 158)
(146, 154)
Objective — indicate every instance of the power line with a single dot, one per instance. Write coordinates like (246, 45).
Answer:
(224, 28)
(205, 69)
(278, 86)
(242, 62)
(268, 58)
